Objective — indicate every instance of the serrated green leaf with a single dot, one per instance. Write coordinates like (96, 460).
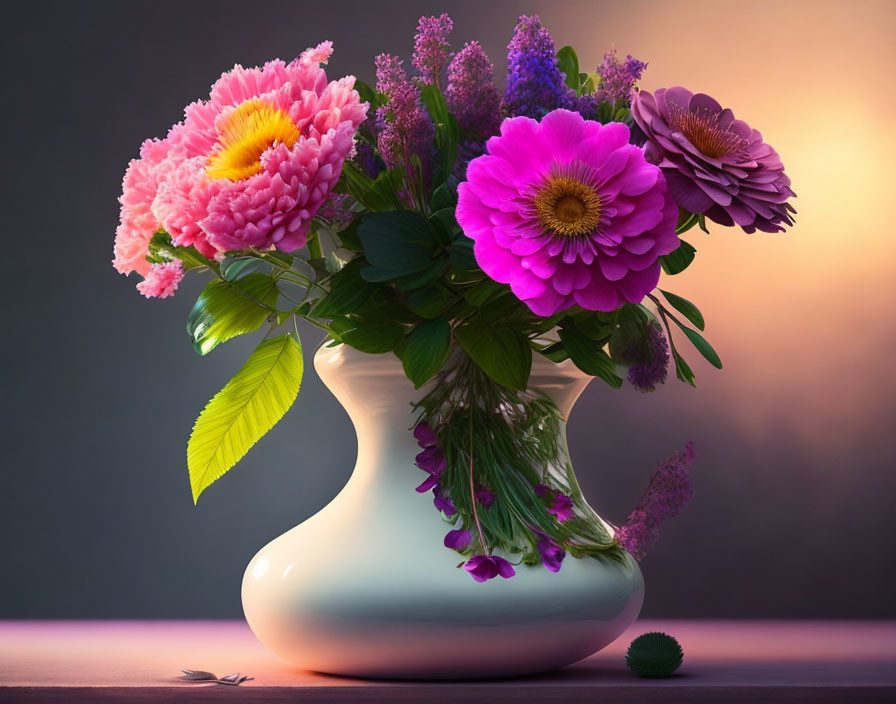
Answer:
(500, 351)
(686, 308)
(568, 63)
(374, 337)
(425, 350)
(588, 356)
(244, 410)
(698, 341)
(227, 309)
(679, 260)
(348, 292)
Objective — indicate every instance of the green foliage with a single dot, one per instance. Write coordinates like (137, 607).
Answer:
(377, 194)
(589, 356)
(396, 244)
(682, 370)
(679, 260)
(373, 336)
(501, 352)
(628, 343)
(703, 347)
(686, 308)
(162, 250)
(226, 309)
(447, 134)
(244, 410)
(654, 655)
(348, 292)
(425, 350)
(686, 221)
(568, 63)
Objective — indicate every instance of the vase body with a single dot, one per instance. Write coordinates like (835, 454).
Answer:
(366, 588)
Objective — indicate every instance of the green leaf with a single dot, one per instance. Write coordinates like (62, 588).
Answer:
(485, 291)
(701, 221)
(555, 352)
(396, 243)
(226, 309)
(568, 63)
(233, 269)
(380, 194)
(698, 341)
(682, 370)
(348, 292)
(686, 308)
(443, 197)
(374, 337)
(160, 249)
(431, 301)
(679, 260)
(425, 350)
(629, 344)
(501, 352)
(588, 356)
(447, 132)
(368, 95)
(686, 221)
(244, 410)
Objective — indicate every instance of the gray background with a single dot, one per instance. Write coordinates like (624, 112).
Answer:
(100, 387)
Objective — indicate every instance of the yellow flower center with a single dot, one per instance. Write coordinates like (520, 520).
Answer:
(567, 206)
(247, 133)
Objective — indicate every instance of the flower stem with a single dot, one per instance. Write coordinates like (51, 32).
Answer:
(473, 490)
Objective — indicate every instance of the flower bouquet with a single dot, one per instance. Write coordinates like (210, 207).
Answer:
(463, 233)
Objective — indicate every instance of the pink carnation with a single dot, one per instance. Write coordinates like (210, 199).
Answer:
(567, 212)
(161, 280)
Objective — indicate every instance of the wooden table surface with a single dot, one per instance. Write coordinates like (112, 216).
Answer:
(725, 661)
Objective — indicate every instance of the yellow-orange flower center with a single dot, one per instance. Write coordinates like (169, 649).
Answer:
(567, 206)
(247, 133)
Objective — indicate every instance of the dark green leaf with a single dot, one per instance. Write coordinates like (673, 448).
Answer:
(368, 95)
(679, 260)
(431, 301)
(425, 350)
(686, 221)
(233, 269)
(588, 356)
(481, 293)
(443, 197)
(629, 344)
(447, 132)
(348, 292)
(701, 221)
(461, 255)
(498, 350)
(380, 194)
(225, 310)
(703, 347)
(422, 278)
(568, 63)
(396, 243)
(682, 370)
(555, 352)
(686, 308)
(348, 237)
(374, 337)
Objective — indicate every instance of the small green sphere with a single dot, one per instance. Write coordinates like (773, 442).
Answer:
(654, 655)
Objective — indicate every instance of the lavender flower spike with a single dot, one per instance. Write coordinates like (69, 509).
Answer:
(645, 377)
(617, 80)
(431, 47)
(535, 86)
(668, 491)
(471, 96)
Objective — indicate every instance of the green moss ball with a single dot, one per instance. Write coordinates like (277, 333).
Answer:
(654, 655)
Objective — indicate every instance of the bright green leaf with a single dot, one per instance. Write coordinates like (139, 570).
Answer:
(348, 292)
(501, 352)
(425, 350)
(703, 347)
(589, 356)
(568, 63)
(244, 410)
(227, 309)
(686, 308)
(679, 260)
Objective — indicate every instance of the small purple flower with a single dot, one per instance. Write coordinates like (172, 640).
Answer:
(645, 377)
(458, 539)
(471, 94)
(551, 553)
(443, 502)
(560, 506)
(424, 435)
(485, 496)
(431, 47)
(535, 86)
(485, 567)
(668, 491)
(617, 80)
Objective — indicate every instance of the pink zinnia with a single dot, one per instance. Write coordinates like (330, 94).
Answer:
(161, 280)
(567, 212)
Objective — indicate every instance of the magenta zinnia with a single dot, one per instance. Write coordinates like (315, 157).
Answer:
(714, 164)
(567, 212)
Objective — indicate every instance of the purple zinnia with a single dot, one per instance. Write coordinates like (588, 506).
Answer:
(551, 553)
(645, 377)
(567, 212)
(431, 47)
(617, 80)
(535, 85)
(668, 491)
(485, 567)
(714, 164)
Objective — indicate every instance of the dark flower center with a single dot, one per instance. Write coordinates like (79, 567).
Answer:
(567, 206)
(701, 128)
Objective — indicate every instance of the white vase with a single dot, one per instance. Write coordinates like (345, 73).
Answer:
(366, 588)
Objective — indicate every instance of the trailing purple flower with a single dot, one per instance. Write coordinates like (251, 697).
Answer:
(431, 47)
(551, 553)
(535, 85)
(559, 505)
(485, 567)
(668, 491)
(432, 461)
(458, 539)
(645, 377)
(485, 496)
